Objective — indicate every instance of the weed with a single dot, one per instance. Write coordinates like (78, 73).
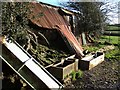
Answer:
(73, 75)
(79, 74)
(76, 75)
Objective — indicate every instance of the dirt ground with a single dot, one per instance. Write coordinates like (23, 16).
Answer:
(105, 76)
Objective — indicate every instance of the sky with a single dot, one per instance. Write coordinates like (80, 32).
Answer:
(113, 16)
(53, 2)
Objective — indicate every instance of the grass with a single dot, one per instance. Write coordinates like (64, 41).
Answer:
(94, 47)
(113, 54)
(113, 28)
(110, 39)
(91, 48)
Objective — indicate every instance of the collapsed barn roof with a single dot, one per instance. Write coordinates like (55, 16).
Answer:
(48, 17)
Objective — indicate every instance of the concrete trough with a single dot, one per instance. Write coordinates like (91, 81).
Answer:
(64, 68)
(91, 61)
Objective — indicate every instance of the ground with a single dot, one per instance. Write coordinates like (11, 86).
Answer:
(104, 76)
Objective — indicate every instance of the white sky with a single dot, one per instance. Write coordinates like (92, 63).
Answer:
(113, 17)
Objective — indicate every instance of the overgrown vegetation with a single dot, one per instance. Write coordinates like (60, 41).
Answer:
(15, 24)
(46, 55)
(14, 20)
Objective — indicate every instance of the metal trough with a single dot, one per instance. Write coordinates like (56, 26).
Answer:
(91, 61)
(34, 74)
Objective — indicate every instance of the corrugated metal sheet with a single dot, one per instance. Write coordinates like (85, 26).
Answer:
(48, 17)
(67, 12)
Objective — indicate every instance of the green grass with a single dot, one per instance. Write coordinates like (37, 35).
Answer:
(94, 47)
(115, 40)
(111, 39)
(113, 54)
(113, 28)
(112, 32)
(91, 48)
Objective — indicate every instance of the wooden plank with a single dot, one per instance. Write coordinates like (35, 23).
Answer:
(91, 61)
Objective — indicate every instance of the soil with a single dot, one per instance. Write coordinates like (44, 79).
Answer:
(105, 76)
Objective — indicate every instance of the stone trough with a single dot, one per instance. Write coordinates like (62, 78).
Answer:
(64, 68)
(91, 61)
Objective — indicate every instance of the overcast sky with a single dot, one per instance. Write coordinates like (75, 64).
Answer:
(113, 17)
